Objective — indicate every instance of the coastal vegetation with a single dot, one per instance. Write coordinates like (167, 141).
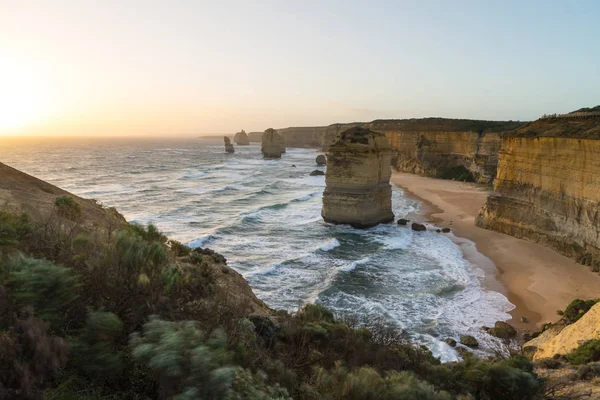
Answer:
(130, 314)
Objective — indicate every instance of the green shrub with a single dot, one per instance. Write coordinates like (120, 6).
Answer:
(45, 286)
(587, 352)
(179, 249)
(13, 228)
(67, 207)
(95, 351)
(149, 233)
(458, 173)
(577, 309)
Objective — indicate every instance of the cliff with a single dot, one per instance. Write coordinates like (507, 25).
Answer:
(445, 148)
(273, 144)
(358, 190)
(547, 187)
(315, 136)
(566, 339)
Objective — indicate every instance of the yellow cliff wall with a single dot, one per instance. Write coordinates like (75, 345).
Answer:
(547, 188)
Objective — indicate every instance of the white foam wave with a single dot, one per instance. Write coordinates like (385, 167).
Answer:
(355, 264)
(330, 245)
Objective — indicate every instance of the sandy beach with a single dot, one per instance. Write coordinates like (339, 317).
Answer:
(536, 279)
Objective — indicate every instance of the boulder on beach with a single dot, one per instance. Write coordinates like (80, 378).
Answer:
(228, 146)
(418, 227)
(469, 341)
(273, 144)
(321, 160)
(358, 190)
(451, 342)
(445, 230)
(502, 330)
(241, 138)
(317, 172)
(403, 221)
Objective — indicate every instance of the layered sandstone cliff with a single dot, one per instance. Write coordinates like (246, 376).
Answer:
(547, 187)
(445, 148)
(273, 144)
(314, 136)
(241, 138)
(228, 146)
(358, 190)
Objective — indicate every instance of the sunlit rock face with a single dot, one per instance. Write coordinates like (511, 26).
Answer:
(273, 144)
(241, 138)
(548, 187)
(358, 190)
(228, 146)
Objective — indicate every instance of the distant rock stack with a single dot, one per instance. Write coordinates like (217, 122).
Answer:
(241, 138)
(321, 160)
(358, 190)
(273, 144)
(228, 146)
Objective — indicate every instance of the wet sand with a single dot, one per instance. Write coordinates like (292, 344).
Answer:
(536, 279)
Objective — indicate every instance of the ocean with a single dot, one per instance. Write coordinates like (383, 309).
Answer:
(264, 216)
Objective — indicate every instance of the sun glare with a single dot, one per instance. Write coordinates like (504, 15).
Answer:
(23, 98)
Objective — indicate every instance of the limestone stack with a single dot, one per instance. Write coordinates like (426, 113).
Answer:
(228, 146)
(273, 144)
(241, 138)
(358, 190)
(548, 187)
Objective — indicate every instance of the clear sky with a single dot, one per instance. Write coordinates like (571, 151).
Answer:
(180, 67)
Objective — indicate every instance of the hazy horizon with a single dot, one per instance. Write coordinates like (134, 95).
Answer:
(82, 68)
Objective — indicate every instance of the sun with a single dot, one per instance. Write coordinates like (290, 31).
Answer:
(23, 97)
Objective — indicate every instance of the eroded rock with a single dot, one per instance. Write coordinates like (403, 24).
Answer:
(418, 227)
(228, 146)
(358, 190)
(317, 172)
(321, 160)
(403, 221)
(241, 138)
(273, 144)
(469, 341)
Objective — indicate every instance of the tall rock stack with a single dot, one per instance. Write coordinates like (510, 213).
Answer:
(241, 138)
(228, 146)
(273, 144)
(358, 190)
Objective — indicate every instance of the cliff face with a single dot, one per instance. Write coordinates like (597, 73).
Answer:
(358, 190)
(445, 148)
(314, 136)
(548, 187)
(273, 144)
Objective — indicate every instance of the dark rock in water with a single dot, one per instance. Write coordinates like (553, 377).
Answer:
(321, 160)
(463, 352)
(418, 227)
(469, 341)
(317, 172)
(293, 165)
(228, 146)
(524, 320)
(438, 230)
(502, 330)
(451, 342)
(403, 221)
(445, 230)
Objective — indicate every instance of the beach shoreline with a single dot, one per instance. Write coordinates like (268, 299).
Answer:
(537, 280)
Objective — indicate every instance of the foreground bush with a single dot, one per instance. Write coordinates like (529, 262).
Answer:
(586, 353)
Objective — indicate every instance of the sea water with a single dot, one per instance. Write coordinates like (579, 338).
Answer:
(264, 216)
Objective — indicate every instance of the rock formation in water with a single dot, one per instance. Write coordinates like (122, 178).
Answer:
(548, 188)
(358, 190)
(228, 146)
(445, 148)
(317, 172)
(321, 160)
(241, 138)
(273, 144)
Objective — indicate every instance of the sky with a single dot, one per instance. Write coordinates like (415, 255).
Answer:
(161, 68)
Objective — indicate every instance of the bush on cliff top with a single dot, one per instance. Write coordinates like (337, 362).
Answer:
(577, 309)
(101, 301)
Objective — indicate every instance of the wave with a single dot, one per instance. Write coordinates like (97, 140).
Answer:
(332, 244)
(200, 242)
(355, 264)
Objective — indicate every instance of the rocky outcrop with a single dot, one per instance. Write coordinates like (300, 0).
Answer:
(273, 144)
(241, 138)
(566, 339)
(314, 136)
(358, 190)
(228, 146)
(321, 160)
(317, 172)
(445, 148)
(547, 188)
